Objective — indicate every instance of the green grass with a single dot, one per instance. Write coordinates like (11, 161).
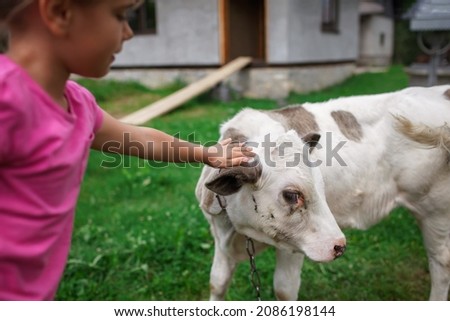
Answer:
(364, 84)
(139, 234)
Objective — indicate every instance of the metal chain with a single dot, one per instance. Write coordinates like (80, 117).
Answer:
(254, 276)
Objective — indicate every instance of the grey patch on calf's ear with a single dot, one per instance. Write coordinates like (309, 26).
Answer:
(235, 135)
(230, 180)
(253, 163)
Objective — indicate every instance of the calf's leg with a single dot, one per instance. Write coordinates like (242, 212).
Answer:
(436, 235)
(287, 277)
(221, 273)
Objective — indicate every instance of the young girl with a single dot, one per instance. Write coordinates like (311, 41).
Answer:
(48, 124)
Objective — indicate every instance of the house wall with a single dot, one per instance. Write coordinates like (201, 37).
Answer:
(187, 34)
(293, 34)
(299, 38)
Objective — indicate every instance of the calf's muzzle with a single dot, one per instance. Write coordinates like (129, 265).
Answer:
(339, 250)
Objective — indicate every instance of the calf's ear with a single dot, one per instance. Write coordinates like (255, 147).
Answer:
(230, 180)
(311, 139)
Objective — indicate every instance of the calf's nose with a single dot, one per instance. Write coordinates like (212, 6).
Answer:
(339, 250)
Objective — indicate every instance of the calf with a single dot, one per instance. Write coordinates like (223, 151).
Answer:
(349, 160)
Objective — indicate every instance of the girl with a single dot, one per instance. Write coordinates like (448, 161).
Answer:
(48, 124)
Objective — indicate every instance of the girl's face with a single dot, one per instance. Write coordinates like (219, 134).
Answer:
(96, 34)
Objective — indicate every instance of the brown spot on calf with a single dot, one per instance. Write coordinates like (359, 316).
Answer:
(447, 94)
(348, 125)
(296, 118)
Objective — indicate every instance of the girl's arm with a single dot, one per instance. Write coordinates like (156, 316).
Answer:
(148, 143)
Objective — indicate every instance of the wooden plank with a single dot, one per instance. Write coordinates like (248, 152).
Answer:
(183, 95)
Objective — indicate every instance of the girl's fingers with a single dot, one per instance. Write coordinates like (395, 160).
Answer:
(229, 154)
(225, 142)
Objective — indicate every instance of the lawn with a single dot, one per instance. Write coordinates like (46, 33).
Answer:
(139, 234)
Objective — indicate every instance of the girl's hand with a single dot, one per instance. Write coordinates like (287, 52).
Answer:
(228, 154)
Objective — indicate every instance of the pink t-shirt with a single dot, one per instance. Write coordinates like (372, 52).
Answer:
(43, 156)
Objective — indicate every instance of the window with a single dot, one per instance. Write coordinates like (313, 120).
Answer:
(330, 15)
(382, 39)
(143, 19)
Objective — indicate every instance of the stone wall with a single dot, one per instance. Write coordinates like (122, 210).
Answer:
(265, 82)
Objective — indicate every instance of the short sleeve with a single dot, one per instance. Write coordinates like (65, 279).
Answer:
(88, 102)
(10, 118)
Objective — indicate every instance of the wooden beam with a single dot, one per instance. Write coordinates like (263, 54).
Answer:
(224, 23)
(183, 95)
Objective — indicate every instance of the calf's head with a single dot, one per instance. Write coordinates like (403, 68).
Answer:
(279, 199)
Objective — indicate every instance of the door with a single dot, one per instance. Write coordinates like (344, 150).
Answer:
(243, 29)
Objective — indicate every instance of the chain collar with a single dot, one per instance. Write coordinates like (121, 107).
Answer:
(222, 201)
(254, 276)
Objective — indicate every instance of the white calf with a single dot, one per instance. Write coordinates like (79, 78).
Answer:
(375, 153)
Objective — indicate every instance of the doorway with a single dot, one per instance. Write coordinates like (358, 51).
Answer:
(243, 29)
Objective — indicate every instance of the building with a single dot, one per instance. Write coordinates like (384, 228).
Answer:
(296, 45)
(376, 40)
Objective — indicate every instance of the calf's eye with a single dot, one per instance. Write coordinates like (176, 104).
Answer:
(293, 197)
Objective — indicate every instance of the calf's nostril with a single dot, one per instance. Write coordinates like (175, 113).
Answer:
(338, 250)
